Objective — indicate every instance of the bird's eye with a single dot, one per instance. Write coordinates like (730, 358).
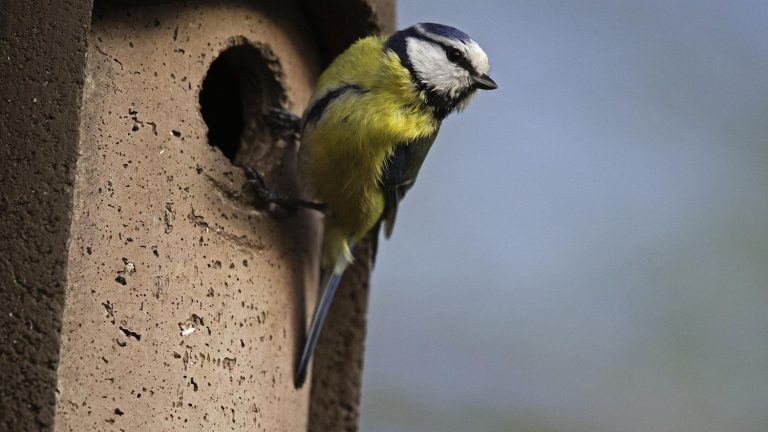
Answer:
(454, 55)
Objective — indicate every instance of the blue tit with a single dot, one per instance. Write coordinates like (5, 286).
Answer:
(369, 125)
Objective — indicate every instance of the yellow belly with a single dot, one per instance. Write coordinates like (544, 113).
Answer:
(346, 179)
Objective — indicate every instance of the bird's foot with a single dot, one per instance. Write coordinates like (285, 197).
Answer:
(267, 198)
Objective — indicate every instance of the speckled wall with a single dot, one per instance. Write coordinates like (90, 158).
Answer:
(182, 309)
(41, 83)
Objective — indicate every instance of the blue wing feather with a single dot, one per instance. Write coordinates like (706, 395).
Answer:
(400, 174)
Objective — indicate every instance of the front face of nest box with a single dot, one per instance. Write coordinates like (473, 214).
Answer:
(181, 296)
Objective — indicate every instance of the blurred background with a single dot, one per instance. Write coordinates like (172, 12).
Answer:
(586, 248)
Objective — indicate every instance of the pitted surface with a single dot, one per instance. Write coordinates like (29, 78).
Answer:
(183, 301)
(42, 59)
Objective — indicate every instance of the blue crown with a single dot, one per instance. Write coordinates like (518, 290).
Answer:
(446, 31)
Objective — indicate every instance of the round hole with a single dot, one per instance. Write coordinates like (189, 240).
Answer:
(222, 107)
(241, 85)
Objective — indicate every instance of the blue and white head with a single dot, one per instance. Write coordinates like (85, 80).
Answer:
(445, 64)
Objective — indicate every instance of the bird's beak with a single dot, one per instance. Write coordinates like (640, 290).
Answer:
(484, 82)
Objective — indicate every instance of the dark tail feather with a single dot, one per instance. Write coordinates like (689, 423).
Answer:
(321, 311)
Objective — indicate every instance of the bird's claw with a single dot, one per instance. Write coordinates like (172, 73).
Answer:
(266, 196)
(256, 182)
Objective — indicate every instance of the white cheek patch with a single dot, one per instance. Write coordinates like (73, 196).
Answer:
(434, 68)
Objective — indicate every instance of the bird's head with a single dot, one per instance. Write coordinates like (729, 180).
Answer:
(445, 64)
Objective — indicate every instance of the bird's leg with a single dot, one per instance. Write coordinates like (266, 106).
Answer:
(256, 183)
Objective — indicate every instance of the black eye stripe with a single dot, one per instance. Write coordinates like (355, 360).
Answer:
(461, 60)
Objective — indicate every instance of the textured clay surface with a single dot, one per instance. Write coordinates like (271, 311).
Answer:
(42, 63)
(185, 306)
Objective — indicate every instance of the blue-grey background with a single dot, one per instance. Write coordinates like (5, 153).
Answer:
(586, 248)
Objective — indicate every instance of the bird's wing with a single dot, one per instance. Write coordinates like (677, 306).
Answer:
(399, 175)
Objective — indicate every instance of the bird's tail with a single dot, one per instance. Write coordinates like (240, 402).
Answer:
(321, 311)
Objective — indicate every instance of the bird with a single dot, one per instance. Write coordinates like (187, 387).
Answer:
(374, 114)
